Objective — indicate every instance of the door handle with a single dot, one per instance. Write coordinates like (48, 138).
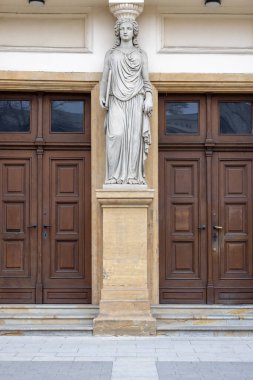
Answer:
(202, 227)
(46, 225)
(32, 226)
(217, 227)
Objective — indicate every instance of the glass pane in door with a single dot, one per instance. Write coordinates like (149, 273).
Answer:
(14, 116)
(67, 116)
(236, 118)
(182, 117)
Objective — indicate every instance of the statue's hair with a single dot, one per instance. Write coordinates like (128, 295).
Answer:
(117, 31)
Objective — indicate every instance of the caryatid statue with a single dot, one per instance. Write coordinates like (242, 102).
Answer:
(126, 94)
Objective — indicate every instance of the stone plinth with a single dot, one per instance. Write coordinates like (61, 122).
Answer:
(125, 304)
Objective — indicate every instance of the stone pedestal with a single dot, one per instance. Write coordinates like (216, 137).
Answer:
(125, 305)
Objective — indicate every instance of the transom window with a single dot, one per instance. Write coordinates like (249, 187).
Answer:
(53, 118)
(14, 116)
(67, 116)
(235, 118)
(182, 117)
(205, 118)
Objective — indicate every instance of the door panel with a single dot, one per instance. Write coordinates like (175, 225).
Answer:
(66, 231)
(18, 242)
(232, 245)
(182, 236)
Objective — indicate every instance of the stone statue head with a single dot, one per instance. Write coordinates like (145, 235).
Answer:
(117, 31)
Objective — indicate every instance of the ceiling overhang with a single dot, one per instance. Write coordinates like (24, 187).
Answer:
(179, 6)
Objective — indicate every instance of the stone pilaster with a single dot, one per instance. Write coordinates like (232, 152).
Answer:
(125, 301)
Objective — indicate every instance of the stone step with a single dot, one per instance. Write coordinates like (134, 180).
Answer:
(203, 318)
(162, 329)
(30, 329)
(49, 309)
(46, 321)
(171, 324)
(49, 319)
(203, 309)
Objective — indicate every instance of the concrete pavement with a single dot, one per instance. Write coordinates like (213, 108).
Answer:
(126, 358)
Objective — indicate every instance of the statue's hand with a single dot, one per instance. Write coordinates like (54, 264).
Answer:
(148, 104)
(102, 103)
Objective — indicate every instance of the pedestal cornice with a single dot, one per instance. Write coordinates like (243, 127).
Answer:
(125, 198)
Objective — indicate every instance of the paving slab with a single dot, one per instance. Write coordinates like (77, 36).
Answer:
(204, 371)
(56, 370)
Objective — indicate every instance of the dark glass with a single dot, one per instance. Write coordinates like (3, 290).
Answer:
(235, 118)
(14, 116)
(182, 118)
(67, 116)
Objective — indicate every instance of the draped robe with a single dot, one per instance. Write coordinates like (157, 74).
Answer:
(127, 127)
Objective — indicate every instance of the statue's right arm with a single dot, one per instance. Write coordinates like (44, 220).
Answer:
(104, 80)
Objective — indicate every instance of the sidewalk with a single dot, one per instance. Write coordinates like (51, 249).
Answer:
(122, 358)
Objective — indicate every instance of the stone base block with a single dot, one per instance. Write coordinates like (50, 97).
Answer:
(121, 308)
(108, 326)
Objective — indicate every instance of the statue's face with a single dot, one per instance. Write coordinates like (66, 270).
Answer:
(126, 31)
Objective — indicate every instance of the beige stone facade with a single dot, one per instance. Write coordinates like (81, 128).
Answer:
(125, 227)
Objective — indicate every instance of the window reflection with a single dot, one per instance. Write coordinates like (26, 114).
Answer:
(67, 116)
(236, 118)
(182, 118)
(14, 116)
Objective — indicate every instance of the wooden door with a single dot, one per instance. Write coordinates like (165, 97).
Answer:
(232, 230)
(205, 198)
(45, 221)
(18, 232)
(66, 228)
(182, 197)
